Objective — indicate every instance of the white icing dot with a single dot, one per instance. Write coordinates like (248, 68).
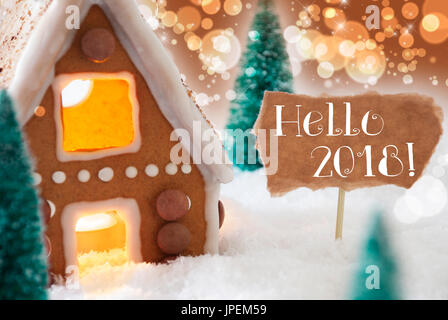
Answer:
(106, 174)
(83, 175)
(59, 177)
(171, 169)
(152, 170)
(131, 172)
(186, 168)
(37, 179)
(52, 208)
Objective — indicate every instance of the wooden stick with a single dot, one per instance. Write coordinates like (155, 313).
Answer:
(340, 217)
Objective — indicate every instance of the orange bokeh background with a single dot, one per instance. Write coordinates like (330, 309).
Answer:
(331, 50)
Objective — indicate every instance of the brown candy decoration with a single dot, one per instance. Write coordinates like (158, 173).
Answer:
(222, 213)
(173, 238)
(172, 204)
(98, 45)
(46, 211)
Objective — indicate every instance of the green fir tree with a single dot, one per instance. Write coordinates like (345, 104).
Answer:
(23, 270)
(264, 67)
(376, 278)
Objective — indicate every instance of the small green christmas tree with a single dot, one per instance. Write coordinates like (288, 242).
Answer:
(376, 278)
(264, 66)
(23, 271)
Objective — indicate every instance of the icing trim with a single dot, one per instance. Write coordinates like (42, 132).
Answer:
(127, 209)
(51, 39)
(212, 191)
(60, 82)
(49, 42)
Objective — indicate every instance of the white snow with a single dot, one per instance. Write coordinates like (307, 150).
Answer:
(284, 248)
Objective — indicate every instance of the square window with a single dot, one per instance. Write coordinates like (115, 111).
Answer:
(103, 117)
(97, 115)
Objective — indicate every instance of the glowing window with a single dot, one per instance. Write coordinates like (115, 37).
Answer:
(101, 239)
(96, 114)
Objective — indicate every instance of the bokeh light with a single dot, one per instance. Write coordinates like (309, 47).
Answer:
(426, 198)
(354, 31)
(207, 24)
(410, 10)
(211, 6)
(233, 7)
(189, 17)
(366, 66)
(220, 51)
(388, 13)
(169, 18)
(334, 18)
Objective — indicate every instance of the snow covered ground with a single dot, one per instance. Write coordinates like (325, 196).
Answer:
(284, 248)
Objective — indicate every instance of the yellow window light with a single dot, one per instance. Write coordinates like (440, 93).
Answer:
(100, 232)
(96, 114)
(96, 221)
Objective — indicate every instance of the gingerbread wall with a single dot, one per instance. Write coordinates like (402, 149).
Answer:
(155, 149)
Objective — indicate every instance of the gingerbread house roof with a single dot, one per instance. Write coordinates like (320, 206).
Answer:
(51, 39)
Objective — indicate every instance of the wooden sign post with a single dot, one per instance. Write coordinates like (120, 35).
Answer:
(340, 214)
(345, 142)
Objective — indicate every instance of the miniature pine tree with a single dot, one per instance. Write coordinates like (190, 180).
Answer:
(376, 278)
(264, 66)
(23, 271)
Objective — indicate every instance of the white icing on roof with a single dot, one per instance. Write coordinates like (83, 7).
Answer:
(51, 39)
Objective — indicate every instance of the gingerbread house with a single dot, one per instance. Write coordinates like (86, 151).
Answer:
(101, 107)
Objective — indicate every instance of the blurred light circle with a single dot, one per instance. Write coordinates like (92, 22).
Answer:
(347, 48)
(354, 31)
(292, 34)
(169, 19)
(221, 43)
(388, 13)
(329, 12)
(230, 95)
(380, 36)
(407, 79)
(305, 44)
(211, 6)
(403, 213)
(427, 197)
(438, 171)
(431, 22)
(313, 9)
(202, 99)
(434, 28)
(194, 42)
(408, 54)
(220, 50)
(334, 18)
(366, 64)
(372, 80)
(410, 10)
(232, 7)
(189, 17)
(325, 70)
(207, 24)
(254, 35)
(406, 40)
